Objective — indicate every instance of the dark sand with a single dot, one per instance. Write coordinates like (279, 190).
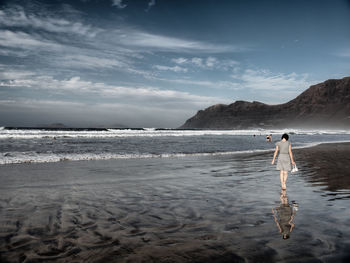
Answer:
(198, 209)
(329, 165)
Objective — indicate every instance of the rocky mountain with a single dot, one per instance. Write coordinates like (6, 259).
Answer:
(324, 105)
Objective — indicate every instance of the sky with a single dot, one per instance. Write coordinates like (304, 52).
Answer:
(155, 63)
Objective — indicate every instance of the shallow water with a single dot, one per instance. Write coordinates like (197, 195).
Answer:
(193, 209)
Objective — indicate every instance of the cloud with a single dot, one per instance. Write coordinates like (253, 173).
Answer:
(78, 54)
(211, 62)
(266, 80)
(20, 44)
(64, 56)
(150, 4)
(228, 85)
(207, 63)
(21, 40)
(198, 62)
(118, 3)
(91, 62)
(14, 53)
(179, 60)
(174, 69)
(132, 38)
(16, 16)
(100, 61)
(42, 33)
(12, 74)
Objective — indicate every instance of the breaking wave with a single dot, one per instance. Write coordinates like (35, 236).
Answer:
(145, 132)
(15, 158)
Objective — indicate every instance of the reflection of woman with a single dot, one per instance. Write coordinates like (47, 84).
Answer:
(284, 216)
(284, 159)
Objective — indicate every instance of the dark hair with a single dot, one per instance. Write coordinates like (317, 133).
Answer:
(285, 136)
(285, 236)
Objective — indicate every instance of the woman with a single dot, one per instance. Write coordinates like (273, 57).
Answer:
(284, 159)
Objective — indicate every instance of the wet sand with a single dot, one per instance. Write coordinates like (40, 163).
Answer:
(328, 164)
(198, 209)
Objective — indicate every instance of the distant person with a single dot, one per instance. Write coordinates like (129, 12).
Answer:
(285, 158)
(269, 138)
(284, 216)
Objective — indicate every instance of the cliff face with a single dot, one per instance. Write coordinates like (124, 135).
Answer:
(325, 105)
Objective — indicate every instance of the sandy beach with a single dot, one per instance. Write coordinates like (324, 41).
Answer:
(193, 209)
(328, 164)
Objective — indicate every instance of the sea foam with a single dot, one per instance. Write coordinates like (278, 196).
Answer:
(149, 132)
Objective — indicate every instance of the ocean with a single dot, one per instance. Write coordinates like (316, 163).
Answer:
(25, 145)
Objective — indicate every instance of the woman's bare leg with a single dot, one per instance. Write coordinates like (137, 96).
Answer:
(285, 177)
(282, 179)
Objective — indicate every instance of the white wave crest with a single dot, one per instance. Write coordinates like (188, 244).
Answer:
(26, 157)
(150, 132)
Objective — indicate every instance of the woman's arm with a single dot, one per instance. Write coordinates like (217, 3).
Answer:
(291, 154)
(274, 155)
(291, 223)
(291, 227)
